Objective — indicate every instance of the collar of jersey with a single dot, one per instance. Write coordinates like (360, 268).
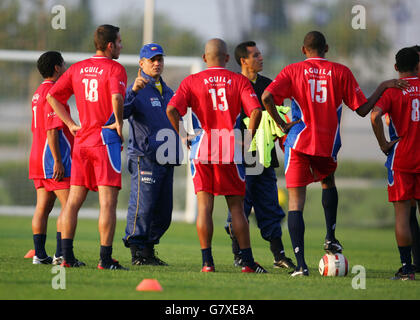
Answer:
(214, 68)
(409, 78)
(96, 56)
(47, 81)
(318, 58)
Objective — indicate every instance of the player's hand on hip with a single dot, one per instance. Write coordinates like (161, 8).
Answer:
(387, 147)
(118, 127)
(58, 171)
(286, 128)
(74, 128)
(139, 82)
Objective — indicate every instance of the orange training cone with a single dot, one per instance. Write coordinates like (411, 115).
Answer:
(30, 254)
(149, 285)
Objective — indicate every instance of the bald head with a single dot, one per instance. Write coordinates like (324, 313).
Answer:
(215, 53)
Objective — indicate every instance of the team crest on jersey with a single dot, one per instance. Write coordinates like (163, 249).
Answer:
(155, 102)
(35, 98)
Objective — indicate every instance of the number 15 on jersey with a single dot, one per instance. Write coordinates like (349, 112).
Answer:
(320, 95)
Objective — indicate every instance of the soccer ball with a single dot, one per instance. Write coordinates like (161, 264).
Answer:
(333, 265)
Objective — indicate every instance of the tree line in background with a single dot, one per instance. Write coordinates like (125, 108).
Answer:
(26, 25)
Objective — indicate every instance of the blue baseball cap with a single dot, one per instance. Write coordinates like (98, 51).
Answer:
(150, 50)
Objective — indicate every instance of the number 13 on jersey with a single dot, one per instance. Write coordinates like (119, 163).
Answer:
(221, 94)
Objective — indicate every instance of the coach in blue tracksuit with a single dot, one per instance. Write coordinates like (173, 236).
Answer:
(151, 195)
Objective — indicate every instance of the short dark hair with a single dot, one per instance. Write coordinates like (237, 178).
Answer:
(241, 50)
(105, 34)
(406, 60)
(47, 61)
(416, 47)
(315, 40)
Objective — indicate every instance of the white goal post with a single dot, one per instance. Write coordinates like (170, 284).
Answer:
(193, 63)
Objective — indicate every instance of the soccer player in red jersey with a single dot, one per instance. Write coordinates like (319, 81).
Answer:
(99, 85)
(403, 163)
(216, 96)
(50, 158)
(317, 88)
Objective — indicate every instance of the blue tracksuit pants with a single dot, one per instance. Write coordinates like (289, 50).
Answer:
(261, 194)
(151, 200)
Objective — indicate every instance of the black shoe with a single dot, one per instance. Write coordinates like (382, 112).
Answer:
(256, 268)
(299, 272)
(113, 265)
(332, 246)
(237, 262)
(73, 264)
(152, 260)
(284, 262)
(403, 276)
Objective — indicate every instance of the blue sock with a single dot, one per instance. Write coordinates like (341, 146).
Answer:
(296, 227)
(58, 251)
(247, 257)
(207, 256)
(39, 244)
(106, 254)
(330, 204)
(405, 256)
(67, 248)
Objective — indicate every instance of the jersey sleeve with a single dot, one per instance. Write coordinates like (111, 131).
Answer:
(352, 94)
(249, 98)
(181, 97)
(384, 101)
(281, 87)
(118, 80)
(63, 88)
(52, 121)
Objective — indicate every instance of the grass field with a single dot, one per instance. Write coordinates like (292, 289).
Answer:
(374, 249)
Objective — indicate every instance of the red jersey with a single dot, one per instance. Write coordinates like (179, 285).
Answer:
(41, 161)
(403, 107)
(93, 82)
(216, 97)
(317, 87)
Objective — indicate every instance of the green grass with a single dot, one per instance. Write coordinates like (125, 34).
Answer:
(374, 249)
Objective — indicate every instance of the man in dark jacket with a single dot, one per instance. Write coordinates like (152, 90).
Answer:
(261, 189)
(151, 196)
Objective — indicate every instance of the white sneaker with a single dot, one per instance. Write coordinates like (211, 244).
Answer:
(57, 260)
(47, 260)
(299, 272)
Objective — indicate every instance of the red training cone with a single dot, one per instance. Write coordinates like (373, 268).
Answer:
(30, 254)
(149, 285)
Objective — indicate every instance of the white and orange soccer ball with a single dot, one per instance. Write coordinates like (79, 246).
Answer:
(333, 265)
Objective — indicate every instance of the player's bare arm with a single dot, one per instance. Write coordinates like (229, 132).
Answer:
(378, 129)
(62, 113)
(270, 106)
(118, 107)
(175, 119)
(53, 143)
(254, 121)
(393, 83)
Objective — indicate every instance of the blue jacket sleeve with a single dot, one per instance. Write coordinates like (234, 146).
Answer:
(129, 102)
